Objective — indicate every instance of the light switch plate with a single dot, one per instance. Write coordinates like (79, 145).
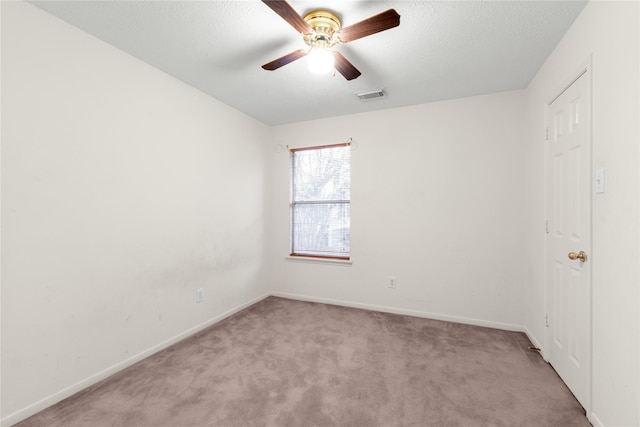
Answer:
(599, 181)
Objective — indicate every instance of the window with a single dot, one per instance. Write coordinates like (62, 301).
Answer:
(320, 201)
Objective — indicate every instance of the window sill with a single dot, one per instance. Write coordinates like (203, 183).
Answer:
(313, 260)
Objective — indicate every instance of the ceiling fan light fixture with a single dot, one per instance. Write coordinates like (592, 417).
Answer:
(320, 60)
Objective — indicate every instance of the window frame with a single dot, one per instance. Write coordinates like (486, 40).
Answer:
(292, 204)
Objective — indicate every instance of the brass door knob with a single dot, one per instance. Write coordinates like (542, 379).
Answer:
(580, 255)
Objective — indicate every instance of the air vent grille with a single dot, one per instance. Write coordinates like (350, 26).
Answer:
(373, 94)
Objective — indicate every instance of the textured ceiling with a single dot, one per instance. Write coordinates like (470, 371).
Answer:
(441, 50)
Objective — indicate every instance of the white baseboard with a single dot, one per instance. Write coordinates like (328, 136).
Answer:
(36, 407)
(394, 310)
(595, 422)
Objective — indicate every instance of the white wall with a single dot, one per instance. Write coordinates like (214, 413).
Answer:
(436, 202)
(608, 33)
(123, 191)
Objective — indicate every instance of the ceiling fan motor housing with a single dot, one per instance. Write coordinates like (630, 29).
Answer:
(326, 26)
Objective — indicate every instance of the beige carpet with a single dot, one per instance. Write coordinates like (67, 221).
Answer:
(290, 363)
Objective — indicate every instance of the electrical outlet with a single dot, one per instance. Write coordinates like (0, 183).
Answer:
(392, 282)
(199, 294)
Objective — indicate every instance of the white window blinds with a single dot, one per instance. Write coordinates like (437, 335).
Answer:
(320, 201)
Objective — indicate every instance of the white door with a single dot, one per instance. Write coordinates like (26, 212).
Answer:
(569, 237)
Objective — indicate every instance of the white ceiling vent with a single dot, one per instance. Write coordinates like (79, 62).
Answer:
(373, 94)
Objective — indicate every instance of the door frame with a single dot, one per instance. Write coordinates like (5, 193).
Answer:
(585, 70)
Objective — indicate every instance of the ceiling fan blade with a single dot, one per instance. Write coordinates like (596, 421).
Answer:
(375, 24)
(345, 67)
(288, 13)
(284, 60)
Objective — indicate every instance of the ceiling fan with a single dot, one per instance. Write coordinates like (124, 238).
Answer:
(321, 30)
